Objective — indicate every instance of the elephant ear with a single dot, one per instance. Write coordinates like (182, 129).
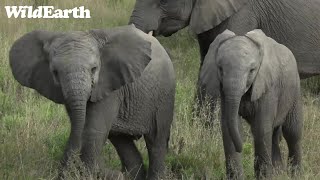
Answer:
(209, 74)
(30, 65)
(269, 67)
(207, 14)
(124, 56)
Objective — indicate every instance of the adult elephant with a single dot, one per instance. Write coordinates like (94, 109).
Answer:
(117, 83)
(294, 23)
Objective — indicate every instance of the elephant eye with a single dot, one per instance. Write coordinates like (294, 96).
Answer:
(251, 70)
(94, 70)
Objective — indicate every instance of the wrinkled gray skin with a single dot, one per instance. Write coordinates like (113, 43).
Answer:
(117, 83)
(294, 23)
(259, 81)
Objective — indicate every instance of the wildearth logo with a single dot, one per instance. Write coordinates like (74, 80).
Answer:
(46, 12)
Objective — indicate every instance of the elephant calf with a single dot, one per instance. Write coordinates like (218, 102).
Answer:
(258, 80)
(117, 83)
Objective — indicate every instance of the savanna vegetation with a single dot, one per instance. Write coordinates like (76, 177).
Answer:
(34, 131)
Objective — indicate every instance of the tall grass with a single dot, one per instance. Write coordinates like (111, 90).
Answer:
(33, 130)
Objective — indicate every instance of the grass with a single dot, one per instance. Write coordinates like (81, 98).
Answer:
(33, 130)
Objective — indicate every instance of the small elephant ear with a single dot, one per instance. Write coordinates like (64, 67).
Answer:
(269, 67)
(124, 55)
(30, 66)
(207, 14)
(209, 75)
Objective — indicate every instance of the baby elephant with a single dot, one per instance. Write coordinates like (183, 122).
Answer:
(117, 83)
(258, 80)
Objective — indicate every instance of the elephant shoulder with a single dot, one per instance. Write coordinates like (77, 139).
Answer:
(286, 56)
(288, 63)
(282, 53)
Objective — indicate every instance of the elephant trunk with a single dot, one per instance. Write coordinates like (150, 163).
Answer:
(76, 89)
(77, 117)
(231, 105)
(137, 22)
(143, 17)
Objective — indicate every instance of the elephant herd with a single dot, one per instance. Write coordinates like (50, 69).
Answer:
(119, 83)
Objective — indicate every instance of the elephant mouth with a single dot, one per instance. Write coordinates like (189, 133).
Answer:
(166, 33)
(170, 28)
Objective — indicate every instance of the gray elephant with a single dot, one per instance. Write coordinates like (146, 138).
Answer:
(294, 23)
(258, 80)
(117, 83)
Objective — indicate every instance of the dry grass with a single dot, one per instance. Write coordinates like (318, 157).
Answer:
(33, 130)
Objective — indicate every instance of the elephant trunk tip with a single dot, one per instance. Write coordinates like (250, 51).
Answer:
(236, 139)
(238, 146)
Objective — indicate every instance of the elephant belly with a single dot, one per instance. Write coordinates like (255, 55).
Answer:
(138, 109)
(133, 126)
(134, 120)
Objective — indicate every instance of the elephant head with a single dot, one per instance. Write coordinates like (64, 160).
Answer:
(236, 65)
(76, 67)
(166, 17)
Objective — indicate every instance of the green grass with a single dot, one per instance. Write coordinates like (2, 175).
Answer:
(33, 130)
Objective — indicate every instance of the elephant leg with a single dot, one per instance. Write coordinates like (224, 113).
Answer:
(157, 140)
(262, 132)
(157, 149)
(292, 132)
(263, 150)
(99, 119)
(233, 158)
(276, 153)
(130, 156)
